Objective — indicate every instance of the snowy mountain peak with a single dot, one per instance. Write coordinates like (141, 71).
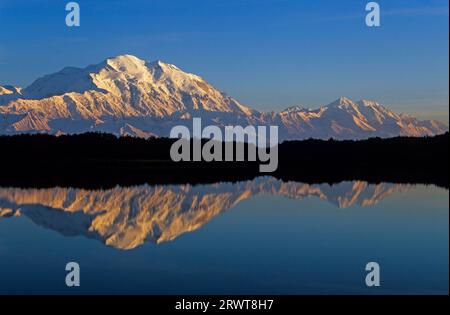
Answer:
(112, 75)
(7, 89)
(126, 63)
(345, 101)
(128, 95)
(9, 93)
(293, 109)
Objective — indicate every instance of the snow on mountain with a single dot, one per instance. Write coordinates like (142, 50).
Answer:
(125, 95)
(9, 93)
(345, 119)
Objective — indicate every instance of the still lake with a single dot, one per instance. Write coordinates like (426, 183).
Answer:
(254, 237)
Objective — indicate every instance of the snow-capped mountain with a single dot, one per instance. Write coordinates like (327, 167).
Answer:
(345, 119)
(125, 95)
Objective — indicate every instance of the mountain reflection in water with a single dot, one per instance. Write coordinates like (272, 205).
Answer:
(126, 217)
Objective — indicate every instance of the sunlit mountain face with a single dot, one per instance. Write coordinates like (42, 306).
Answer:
(125, 95)
(127, 217)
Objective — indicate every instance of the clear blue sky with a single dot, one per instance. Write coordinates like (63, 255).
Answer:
(268, 54)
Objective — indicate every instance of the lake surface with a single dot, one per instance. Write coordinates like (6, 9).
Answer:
(256, 237)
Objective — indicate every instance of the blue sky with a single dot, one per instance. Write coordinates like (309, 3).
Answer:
(268, 54)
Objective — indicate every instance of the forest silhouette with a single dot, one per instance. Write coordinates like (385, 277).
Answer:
(97, 160)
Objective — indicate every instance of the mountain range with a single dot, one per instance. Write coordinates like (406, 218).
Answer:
(126, 217)
(125, 95)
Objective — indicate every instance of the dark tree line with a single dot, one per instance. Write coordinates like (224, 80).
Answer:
(100, 160)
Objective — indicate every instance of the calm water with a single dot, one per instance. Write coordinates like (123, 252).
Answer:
(256, 237)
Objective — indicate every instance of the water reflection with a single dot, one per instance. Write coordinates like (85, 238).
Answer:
(126, 217)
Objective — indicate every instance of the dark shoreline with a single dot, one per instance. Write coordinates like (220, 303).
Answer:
(103, 161)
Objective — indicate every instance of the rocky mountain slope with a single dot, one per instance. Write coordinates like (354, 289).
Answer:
(125, 95)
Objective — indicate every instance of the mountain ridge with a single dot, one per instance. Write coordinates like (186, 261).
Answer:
(125, 95)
